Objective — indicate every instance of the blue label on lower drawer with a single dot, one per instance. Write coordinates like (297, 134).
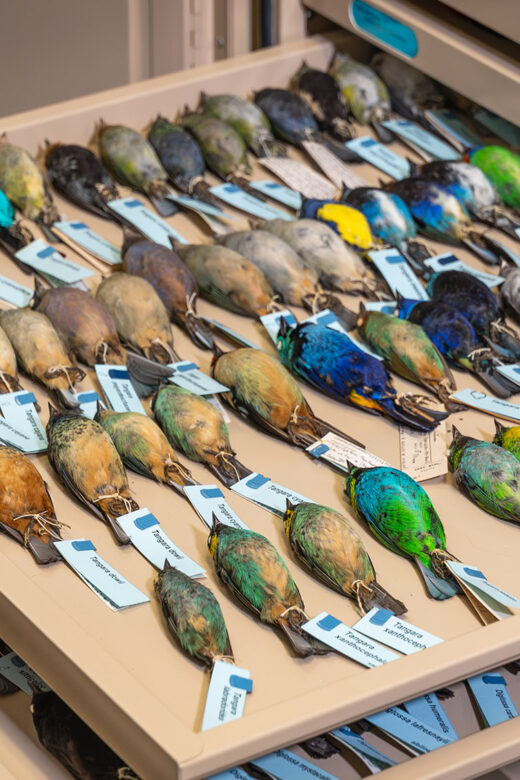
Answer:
(383, 27)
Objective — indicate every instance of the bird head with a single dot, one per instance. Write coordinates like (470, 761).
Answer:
(350, 482)
(288, 516)
(457, 446)
(213, 536)
(282, 339)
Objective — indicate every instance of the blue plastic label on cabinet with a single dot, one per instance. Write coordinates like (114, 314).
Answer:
(384, 28)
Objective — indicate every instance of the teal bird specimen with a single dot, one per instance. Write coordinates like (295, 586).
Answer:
(487, 474)
(193, 616)
(327, 544)
(248, 120)
(13, 234)
(82, 454)
(401, 516)
(508, 438)
(255, 573)
(502, 167)
(193, 426)
(263, 391)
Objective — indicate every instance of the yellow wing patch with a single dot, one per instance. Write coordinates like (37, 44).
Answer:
(352, 225)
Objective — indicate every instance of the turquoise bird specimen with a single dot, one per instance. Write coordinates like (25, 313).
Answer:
(255, 573)
(400, 514)
(143, 447)
(365, 93)
(8, 369)
(502, 167)
(487, 474)
(193, 616)
(322, 94)
(84, 457)
(13, 234)
(196, 428)
(326, 543)
(247, 119)
(264, 392)
(27, 513)
(330, 361)
(508, 438)
(131, 159)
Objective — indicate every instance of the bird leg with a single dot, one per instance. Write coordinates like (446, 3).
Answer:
(438, 560)
(173, 467)
(46, 525)
(116, 503)
(161, 352)
(73, 373)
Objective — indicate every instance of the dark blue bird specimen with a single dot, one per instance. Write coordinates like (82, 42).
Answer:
(330, 361)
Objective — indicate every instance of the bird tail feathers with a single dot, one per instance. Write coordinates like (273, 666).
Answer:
(374, 595)
(302, 644)
(437, 587)
(409, 412)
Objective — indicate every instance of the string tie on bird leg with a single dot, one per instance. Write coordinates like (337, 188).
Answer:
(178, 468)
(274, 304)
(227, 658)
(7, 379)
(438, 558)
(294, 610)
(229, 461)
(46, 525)
(55, 371)
(356, 587)
(128, 503)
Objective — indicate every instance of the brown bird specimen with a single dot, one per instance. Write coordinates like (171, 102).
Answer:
(26, 511)
(83, 455)
(8, 371)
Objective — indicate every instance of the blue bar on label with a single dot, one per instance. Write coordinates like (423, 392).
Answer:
(448, 260)
(27, 398)
(368, 142)
(493, 679)
(118, 373)
(78, 226)
(232, 188)
(186, 367)
(211, 493)
(244, 683)
(395, 259)
(81, 546)
(381, 617)
(132, 204)
(86, 398)
(328, 623)
(257, 481)
(145, 521)
(474, 573)
(47, 252)
(17, 661)
(320, 450)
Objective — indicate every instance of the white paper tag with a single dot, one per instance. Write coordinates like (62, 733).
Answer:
(429, 710)
(135, 212)
(386, 307)
(239, 199)
(271, 322)
(118, 389)
(449, 262)
(14, 669)
(267, 494)
(423, 455)
(348, 641)
(300, 177)
(14, 293)
(380, 156)
(336, 450)
(410, 131)
(228, 688)
(488, 403)
(231, 774)
(286, 765)
(85, 237)
(88, 402)
(147, 536)
(449, 122)
(491, 694)
(398, 274)
(494, 598)
(232, 333)
(20, 425)
(208, 500)
(200, 206)
(334, 168)
(511, 371)
(44, 258)
(383, 625)
(499, 126)
(279, 192)
(190, 377)
(405, 728)
(371, 757)
(103, 579)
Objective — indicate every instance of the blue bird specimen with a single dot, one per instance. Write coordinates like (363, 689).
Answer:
(400, 514)
(330, 361)
(13, 236)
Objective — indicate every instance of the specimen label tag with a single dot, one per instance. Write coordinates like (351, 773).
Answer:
(429, 710)
(118, 389)
(328, 318)
(20, 425)
(511, 371)
(14, 669)
(147, 536)
(271, 322)
(499, 407)
(449, 262)
(233, 335)
(267, 494)
(81, 234)
(286, 765)
(398, 274)
(449, 123)
(494, 599)
(380, 156)
(100, 576)
(406, 728)
(231, 774)
(45, 259)
(88, 402)
(334, 168)
(383, 625)
(239, 199)
(135, 212)
(300, 177)
(423, 455)
(492, 697)
(387, 307)
(278, 192)
(410, 131)
(348, 641)
(336, 450)
(371, 757)
(14, 293)
(208, 500)
(228, 688)
(188, 375)
(499, 126)
(200, 206)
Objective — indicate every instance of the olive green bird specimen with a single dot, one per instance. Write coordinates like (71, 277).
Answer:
(326, 543)
(487, 474)
(248, 120)
(263, 391)
(508, 438)
(8, 369)
(82, 454)
(401, 516)
(193, 426)
(193, 616)
(255, 573)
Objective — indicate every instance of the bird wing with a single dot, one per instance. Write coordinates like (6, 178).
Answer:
(69, 483)
(226, 579)
(475, 492)
(319, 573)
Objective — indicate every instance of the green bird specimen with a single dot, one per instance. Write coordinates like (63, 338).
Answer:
(143, 447)
(327, 544)
(82, 454)
(223, 148)
(195, 427)
(502, 167)
(255, 573)
(508, 438)
(248, 120)
(487, 474)
(263, 391)
(408, 351)
(193, 616)
(401, 516)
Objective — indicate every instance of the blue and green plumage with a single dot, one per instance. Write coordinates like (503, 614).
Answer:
(400, 514)
(7, 216)
(508, 438)
(502, 167)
